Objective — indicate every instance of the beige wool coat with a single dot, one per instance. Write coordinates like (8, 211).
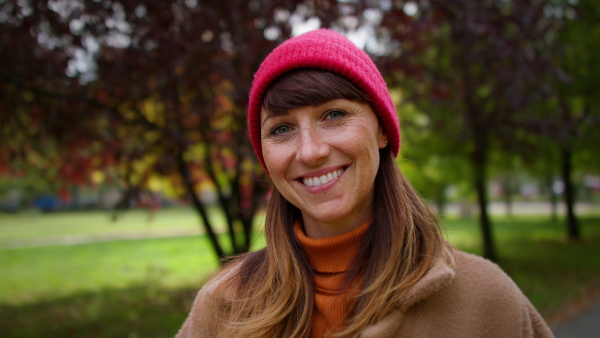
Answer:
(475, 298)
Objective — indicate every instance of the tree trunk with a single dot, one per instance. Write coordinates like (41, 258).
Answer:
(479, 162)
(184, 172)
(489, 249)
(478, 122)
(569, 194)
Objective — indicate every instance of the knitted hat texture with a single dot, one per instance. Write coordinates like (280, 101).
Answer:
(327, 50)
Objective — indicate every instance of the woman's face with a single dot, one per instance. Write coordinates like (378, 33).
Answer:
(323, 160)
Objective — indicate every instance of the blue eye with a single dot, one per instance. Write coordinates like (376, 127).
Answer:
(334, 114)
(280, 130)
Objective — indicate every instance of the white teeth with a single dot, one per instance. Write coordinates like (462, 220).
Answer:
(317, 181)
(323, 179)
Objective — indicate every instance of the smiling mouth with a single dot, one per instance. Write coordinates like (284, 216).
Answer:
(320, 180)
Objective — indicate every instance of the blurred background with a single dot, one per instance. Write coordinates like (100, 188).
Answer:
(126, 172)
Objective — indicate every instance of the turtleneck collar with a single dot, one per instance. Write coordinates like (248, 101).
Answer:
(331, 254)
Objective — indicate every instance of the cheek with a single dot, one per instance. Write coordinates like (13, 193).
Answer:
(275, 160)
(365, 140)
(366, 151)
(270, 162)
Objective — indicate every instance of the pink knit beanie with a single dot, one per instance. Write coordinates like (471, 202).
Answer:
(327, 50)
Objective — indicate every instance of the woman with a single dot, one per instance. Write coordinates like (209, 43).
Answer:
(352, 250)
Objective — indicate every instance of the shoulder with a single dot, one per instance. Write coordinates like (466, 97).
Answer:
(226, 273)
(228, 279)
(480, 275)
(230, 273)
(490, 301)
(219, 288)
(484, 286)
(480, 300)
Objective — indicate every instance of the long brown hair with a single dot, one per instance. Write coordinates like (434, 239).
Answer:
(271, 292)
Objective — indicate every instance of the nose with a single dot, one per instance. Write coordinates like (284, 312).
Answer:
(313, 148)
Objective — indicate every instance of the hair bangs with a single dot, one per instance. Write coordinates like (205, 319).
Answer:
(309, 87)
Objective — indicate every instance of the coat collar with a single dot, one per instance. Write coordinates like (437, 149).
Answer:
(441, 273)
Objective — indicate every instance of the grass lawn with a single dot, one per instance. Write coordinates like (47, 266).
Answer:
(51, 272)
(144, 287)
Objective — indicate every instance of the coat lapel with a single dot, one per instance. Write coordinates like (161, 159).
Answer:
(440, 273)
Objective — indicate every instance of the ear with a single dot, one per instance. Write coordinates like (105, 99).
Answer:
(382, 139)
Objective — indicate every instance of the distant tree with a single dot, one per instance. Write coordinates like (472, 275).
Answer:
(179, 86)
(424, 157)
(573, 115)
(481, 64)
(40, 106)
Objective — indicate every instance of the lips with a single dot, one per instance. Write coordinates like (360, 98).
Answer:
(322, 179)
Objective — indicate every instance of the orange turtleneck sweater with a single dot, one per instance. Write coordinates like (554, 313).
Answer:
(330, 259)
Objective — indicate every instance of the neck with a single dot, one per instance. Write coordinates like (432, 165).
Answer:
(321, 229)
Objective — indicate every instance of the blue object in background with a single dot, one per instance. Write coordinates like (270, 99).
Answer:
(47, 203)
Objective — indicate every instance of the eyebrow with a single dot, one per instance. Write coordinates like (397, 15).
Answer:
(275, 113)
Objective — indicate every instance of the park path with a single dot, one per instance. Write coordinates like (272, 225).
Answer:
(85, 239)
(581, 317)
(584, 325)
